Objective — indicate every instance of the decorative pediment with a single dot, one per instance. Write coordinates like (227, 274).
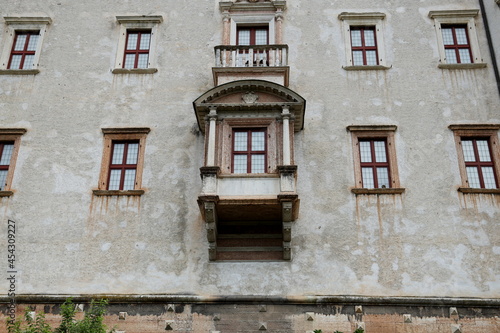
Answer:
(251, 97)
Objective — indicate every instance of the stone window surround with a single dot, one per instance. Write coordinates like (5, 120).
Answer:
(375, 131)
(364, 19)
(122, 134)
(11, 134)
(22, 24)
(441, 17)
(130, 23)
(477, 130)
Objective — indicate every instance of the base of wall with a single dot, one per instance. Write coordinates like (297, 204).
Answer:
(231, 314)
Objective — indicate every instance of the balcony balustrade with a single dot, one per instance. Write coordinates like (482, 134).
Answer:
(251, 55)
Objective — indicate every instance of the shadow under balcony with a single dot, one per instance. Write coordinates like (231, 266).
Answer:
(263, 62)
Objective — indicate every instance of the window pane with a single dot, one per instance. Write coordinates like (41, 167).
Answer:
(244, 37)
(32, 42)
(240, 163)
(129, 181)
(143, 61)
(118, 149)
(367, 174)
(380, 155)
(132, 41)
(132, 153)
(461, 36)
(357, 58)
(20, 42)
(240, 141)
(447, 36)
(356, 38)
(371, 58)
(145, 40)
(6, 154)
(3, 179)
(261, 37)
(129, 61)
(365, 151)
(483, 150)
(28, 61)
(383, 177)
(451, 56)
(369, 38)
(464, 56)
(473, 177)
(114, 179)
(258, 164)
(258, 141)
(15, 62)
(488, 177)
(468, 150)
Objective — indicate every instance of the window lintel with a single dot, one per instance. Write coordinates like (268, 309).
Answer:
(226, 6)
(361, 128)
(440, 14)
(474, 127)
(12, 131)
(152, 19)
(27, 20)
(361, 16)
(126, 130)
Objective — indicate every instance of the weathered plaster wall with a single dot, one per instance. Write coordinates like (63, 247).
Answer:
(429, 241)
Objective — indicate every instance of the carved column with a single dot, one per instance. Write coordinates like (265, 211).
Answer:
(226, 24)
(279, 26)
(285, 115)
(212, 116)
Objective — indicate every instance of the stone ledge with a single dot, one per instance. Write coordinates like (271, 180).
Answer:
(19, 71)
(6, 193)
(134, 71)
(463, 66)
(367, 68)
(377, 191)
(118, 193)
(479, 190)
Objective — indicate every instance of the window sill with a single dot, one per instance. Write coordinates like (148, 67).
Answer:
(463, 66)
(366, 68)
(249, 175)
(134, 71)
(6, 193)
(19, 71)
(479, 190)
(377, 190)
(118, 193)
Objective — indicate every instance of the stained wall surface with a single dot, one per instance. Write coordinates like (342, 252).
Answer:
(429, 241)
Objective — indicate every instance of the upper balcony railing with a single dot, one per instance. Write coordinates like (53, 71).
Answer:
(251, 55)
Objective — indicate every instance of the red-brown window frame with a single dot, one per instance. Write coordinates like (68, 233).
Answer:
(7, 166)
(24, 51)
(123, 166)
(137, 51)
(363, 48)
(374, 164)
(250, 152)
(456, 47)
(479, 164)
(252, 33)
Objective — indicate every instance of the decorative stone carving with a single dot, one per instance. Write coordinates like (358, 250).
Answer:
(250, 97)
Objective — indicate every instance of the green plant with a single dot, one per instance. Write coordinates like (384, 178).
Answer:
(359, 330)
(91, 323)
(337, 332)
(318, 331)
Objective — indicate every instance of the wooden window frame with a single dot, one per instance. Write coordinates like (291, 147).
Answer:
(252, 33)
(360, 20)
(249, 152)
(454, 18)
(129, 24)
(116, 135)
(375, 132)
(480, 131)
(16, 26)
(456, 47)
(137, 51)
(363, 48)
(24, 52)
(373, 165)
(122, 166)
(11, 135)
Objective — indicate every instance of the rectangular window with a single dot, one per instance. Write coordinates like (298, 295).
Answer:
(137, 49)
(253, 36)
(364, 46)
(123, 165)
(374, 163)
(479, 163)
(123, 161)
(23, 50)
(456, 44)
(249, 151)
(478, 156)
(6, 149)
